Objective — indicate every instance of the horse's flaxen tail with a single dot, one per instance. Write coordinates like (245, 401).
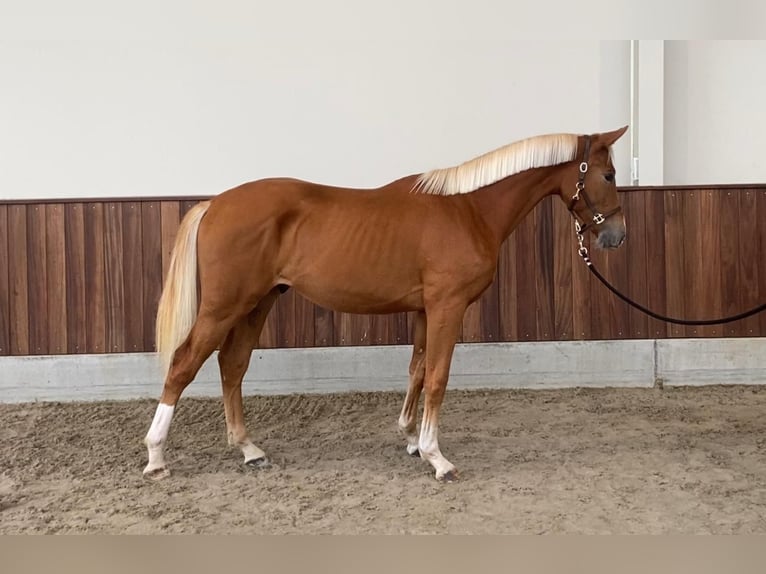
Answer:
(178, 304)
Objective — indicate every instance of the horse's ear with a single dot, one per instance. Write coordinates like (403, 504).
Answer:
(609, 138)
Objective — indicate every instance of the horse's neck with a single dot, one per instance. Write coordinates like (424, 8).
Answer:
(504, 204)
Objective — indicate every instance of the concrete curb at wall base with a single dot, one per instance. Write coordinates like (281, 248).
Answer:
(539, 365)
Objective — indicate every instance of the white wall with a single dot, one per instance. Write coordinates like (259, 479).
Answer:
(715, 112)
(178, 99)
(187, 98)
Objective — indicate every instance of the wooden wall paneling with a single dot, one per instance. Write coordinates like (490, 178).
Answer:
(410, 325)
(324, 327)
(563, 244)
(709, 258)
(5, 289)
(133, 276)
(675, 260)
(360, 330)
(637, 272)
(730, 268)
(341, 323)
(56, 260)
(527, 269)
(400, 335)
(77, 323)
(77, 277)
(692, 290)
(543, 241)
(37, 279)
(384, 329)
(619, 311)
(114, 276)
(471, 327)
(379, 329)
(17, 278)
(304, 322)
(750, 264)
(285, 310)
(761, 239)
(95, 278)
(656, 280)
(350, 329)
(489, 315)
(508, 290)
(151, 261)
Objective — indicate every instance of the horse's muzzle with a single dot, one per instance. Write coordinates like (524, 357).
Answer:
(611, 236)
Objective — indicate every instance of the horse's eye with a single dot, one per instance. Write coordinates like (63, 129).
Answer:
(609, 177)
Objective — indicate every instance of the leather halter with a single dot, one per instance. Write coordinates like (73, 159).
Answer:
(597, 217)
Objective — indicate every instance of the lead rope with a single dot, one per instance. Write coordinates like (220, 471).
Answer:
(582, 251)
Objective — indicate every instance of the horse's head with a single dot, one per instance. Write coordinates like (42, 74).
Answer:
(590, 191)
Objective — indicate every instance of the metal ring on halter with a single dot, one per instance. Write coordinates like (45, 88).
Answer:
(579, 186)
(584, 167)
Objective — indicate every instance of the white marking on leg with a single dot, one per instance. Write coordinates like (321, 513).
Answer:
(245, 444)
(251, 451)
(155, 438)
(429, 448)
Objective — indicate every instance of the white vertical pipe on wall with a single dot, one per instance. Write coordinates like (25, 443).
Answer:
(634, 112)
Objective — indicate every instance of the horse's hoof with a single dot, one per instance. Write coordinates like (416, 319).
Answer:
(157, 474)
(449, 476)
(259, 463)
(413, 452)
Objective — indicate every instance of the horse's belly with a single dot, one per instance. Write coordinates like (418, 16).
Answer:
(356, 297)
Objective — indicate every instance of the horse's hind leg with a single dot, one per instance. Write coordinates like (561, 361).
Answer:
(233, 361)
(205, 336)
(408, 416)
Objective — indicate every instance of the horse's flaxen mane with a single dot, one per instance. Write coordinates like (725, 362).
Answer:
(539, 151)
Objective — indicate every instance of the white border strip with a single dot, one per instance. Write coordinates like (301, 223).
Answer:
(695, 362)
(544, 365)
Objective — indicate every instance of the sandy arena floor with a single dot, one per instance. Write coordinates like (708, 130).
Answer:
(689, 460)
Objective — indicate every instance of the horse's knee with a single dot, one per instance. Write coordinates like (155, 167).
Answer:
(435, 386)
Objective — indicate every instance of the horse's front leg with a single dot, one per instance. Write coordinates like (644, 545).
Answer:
(441, 334)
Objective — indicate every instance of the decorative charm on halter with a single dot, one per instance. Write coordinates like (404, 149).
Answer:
(582, 251)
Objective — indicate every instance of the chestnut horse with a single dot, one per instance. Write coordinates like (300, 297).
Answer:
(426, 243)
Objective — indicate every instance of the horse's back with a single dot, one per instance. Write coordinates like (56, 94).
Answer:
(286, 201)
